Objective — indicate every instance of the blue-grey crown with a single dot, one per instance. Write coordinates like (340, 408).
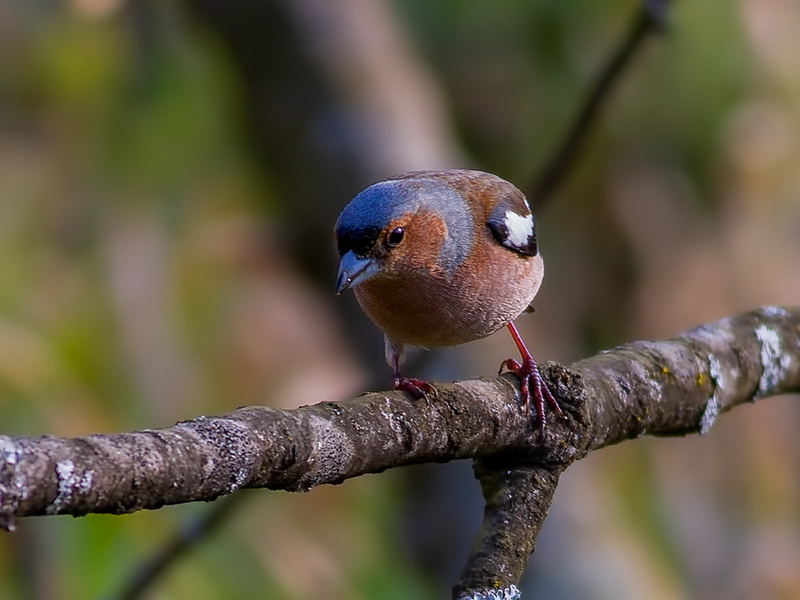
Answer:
(372, 210)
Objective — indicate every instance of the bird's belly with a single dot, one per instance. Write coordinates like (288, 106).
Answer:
(447, 312)
(421, 320)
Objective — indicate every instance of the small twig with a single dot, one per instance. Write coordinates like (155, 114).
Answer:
(650, 18)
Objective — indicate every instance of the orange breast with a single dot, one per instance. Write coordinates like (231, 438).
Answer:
(489, 289)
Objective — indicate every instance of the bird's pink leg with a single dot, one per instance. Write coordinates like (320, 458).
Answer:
(416, 387)
(532, 385)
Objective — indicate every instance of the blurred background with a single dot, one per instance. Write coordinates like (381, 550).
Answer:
(170, 173)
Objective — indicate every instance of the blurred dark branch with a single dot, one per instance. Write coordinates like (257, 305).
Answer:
(670, 388)
(649, 19)
(196, 530)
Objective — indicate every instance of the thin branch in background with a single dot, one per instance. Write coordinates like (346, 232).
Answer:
(650, 19)
(194, 532)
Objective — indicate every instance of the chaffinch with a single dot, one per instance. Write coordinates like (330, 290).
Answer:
(440, 258)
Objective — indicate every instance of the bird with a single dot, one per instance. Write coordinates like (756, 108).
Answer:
(441, 258)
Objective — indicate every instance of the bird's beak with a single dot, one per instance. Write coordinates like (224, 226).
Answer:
(354, 270)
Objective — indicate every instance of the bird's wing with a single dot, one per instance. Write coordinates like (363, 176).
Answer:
(511, 224)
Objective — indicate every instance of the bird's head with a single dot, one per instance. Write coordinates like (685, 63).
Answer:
(418, 223)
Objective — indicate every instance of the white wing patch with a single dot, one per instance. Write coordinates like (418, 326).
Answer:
(519, 228)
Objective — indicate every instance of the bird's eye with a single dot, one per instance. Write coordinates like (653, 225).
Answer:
(395, 237)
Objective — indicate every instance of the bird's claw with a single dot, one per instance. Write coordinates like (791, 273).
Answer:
(534, 389)
(417, 388)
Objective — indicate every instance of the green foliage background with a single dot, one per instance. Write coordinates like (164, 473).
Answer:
(148, 273)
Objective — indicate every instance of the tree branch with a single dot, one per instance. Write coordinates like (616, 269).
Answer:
(674, 387)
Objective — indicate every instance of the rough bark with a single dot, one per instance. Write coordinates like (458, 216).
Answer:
(667, 388)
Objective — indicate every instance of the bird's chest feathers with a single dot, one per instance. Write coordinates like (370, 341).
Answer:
(411, 310)
(419, 302)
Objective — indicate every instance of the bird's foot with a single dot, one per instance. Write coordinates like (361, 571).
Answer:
(534, 389)
(417, 388)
